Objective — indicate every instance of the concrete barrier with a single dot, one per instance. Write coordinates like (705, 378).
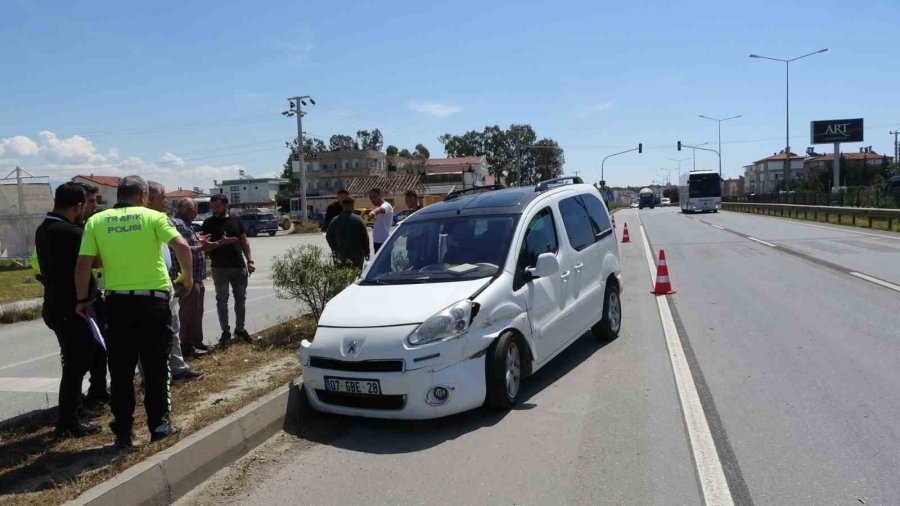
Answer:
(813, 212)
(171, 473)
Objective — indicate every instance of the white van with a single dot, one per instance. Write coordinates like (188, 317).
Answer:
(468, 297)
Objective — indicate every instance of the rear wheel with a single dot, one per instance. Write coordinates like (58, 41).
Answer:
(609, 325)
(504, 372)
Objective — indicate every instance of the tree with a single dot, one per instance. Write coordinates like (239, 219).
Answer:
(311, 148)
(421, 152)
(339, 142)
(405, 153)
(392, 150)
(550, 159)
(376, 140)
(512, 151)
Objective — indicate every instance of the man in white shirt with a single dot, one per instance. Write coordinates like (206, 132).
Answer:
(383, 213)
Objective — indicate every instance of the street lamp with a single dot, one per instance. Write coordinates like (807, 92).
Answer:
(669, 175)
(679, 162)
(787, 103)
(719, 121)
(295, 110)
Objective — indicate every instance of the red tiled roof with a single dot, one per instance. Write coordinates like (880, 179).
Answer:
(462, 160)
(102, 180)
(183, 194)
(393, 184)
(780, 156)
(449, 169)
(847, 156)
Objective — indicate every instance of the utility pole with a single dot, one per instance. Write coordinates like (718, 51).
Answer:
(896, 146)
(296, 104)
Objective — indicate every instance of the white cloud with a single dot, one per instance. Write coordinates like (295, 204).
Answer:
(436, 109)
(17, 146)
(605, 106)
(73, 149)
(171, 159)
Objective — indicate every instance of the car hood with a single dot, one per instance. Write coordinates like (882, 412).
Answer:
(387, 305)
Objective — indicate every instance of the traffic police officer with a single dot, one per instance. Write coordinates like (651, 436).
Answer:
(128, 239)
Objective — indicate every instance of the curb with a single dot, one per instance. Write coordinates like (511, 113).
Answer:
(173, 472)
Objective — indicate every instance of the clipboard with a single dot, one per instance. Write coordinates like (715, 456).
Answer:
(95, 330)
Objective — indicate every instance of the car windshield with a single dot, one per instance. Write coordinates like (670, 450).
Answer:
(442, 250)
(706, 185)
(266, 217)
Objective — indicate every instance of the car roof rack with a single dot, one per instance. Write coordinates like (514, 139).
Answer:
(455, 194)
(545, 185)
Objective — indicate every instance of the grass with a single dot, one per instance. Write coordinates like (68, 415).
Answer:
(36, 469)
(18, 284)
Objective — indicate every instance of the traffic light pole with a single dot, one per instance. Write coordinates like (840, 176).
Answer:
(639, 149)
(681, 145)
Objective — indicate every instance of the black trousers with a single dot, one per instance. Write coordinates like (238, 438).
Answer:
(98, 360)
(139, 328)
(76, 347)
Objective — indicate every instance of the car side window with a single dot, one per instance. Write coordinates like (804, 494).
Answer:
(577, 221)
(597, 213)
(540, 237)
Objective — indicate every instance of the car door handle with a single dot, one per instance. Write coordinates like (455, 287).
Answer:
(578, 267)
(564, 275)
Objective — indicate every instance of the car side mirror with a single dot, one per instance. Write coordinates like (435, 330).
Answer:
(547, 265)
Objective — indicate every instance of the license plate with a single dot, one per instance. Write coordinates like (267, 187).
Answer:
(353, 386)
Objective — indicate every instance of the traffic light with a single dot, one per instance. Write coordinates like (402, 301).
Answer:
(679, 145)
(640, 147)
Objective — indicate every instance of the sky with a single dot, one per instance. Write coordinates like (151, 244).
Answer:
(190, 92)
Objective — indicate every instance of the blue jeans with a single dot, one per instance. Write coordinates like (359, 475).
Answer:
(237, 279)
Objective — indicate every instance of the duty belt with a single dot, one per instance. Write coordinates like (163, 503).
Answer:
(159, 294)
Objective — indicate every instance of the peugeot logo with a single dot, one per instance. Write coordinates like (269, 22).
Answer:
(351, 347)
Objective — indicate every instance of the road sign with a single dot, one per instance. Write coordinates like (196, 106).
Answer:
(836, 131)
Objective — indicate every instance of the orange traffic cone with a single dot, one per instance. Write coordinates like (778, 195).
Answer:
(625, 237)
(663, 286)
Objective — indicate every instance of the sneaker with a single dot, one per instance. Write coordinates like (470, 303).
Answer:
(243, 336)
(191, 352)
(186, 376)
(164, 432)
(77, 429)
(101, 397)
(124, 438)
(225, 340)
(201, 346)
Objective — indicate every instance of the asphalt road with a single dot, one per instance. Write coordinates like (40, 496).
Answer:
(791, 358)
(29, 353)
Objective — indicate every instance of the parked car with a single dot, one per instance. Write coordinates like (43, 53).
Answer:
(402, 215)
(197, 225)
(256, 223)
(363, 213)
(493, 286)
(665, 202)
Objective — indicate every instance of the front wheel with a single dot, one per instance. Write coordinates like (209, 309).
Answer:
(610, 323)
(271, 233)
(504, 372)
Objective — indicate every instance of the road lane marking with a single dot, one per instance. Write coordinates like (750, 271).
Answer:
(877, 281)
(713, 484)
(834, 228)
(716, 226)
(29, 385)
(762, 242)
(30, 360)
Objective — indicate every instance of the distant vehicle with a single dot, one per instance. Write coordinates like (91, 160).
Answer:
(893, 186)
(488, 283)
(700, 192)
(665, 202)
(402, 215)
(646, 198)
(363, 213)
(254, 223)
(197, 225)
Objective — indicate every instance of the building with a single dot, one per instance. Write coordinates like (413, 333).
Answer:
(765, 175)
(818, 164)
(250, 192)
(331, 170)
(393, 189)
(443, 175)
(624, 196)
(733, 187)
(108, 186)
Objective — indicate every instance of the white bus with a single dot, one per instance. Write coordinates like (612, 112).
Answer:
(700, 191)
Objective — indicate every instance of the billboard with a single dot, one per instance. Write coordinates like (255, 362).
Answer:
(836, 130)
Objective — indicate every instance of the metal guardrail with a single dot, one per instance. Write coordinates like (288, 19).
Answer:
(803, 212)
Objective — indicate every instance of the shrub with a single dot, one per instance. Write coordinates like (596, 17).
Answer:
(308, 274)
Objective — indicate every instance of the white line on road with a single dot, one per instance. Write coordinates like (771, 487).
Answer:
(716, 226)
(706, 458)
(40, 385)
(30, 360)
(762, 242)
(877, 281)
(835, 228)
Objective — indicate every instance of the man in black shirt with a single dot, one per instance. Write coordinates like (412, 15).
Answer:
(348, 237)
(57, 241)
(228, 266)
(335, 208)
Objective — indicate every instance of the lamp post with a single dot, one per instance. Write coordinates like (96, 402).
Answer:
(719, 121)
(639, 149)
(787, 103)
(295, 110)
(679, 162)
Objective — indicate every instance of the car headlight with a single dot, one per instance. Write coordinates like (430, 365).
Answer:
(450, 323)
